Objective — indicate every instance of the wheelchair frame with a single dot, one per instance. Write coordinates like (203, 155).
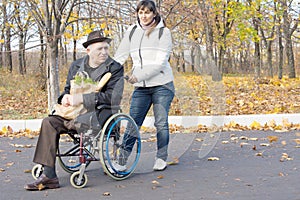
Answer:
(108, 143)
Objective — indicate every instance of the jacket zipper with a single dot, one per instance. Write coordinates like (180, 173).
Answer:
(140, 54)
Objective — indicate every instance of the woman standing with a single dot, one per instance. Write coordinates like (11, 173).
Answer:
(149, 44)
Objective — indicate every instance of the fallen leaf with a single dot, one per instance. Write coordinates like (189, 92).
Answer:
(244, 143)
(21, 145)
(213, 159)
(175, 161)
(234, 138)
(297, 141)
(225, 142)
(253, 139)
(160, 177)
(259, 154)
(41, 186)
(272, 138)
(2, 170)
(155, 182)
(10, 164)
(265, 144)
(106, 194)
(243, 138)
(281, 174)
(255, 125)
(27, 171)
(284, 157)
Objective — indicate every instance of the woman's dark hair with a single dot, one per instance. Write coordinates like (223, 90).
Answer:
(152, 7)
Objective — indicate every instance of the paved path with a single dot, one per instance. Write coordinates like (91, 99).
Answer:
(241, 172)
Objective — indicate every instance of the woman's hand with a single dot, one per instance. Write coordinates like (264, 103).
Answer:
(132, 79)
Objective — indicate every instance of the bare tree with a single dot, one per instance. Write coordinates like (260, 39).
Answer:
(52, 17)
(7, 35)
(290, 24)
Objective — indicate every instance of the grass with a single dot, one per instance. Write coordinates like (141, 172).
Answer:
(22, 97)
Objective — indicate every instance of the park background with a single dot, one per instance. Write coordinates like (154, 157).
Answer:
(230, 57)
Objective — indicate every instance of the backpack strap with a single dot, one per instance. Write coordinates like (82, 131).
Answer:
(131, 32)
(161, 31)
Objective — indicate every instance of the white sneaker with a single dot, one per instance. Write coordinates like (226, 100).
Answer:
(159, 164)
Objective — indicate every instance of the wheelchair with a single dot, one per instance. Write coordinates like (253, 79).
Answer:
(117, 143)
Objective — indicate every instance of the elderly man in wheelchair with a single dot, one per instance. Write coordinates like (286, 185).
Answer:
(100, 128)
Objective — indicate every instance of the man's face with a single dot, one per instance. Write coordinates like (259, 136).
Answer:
(98, 53)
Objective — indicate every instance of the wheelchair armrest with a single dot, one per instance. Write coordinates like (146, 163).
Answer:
(111, 107)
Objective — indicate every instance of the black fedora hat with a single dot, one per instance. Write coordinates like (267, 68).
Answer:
(95, 36)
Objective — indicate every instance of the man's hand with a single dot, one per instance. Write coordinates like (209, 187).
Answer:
(71, 100)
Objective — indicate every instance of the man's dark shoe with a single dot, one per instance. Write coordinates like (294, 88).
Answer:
(43, 182)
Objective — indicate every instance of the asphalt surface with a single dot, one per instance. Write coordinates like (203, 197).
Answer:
(249, 167)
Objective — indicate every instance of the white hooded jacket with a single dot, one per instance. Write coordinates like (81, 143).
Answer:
(150, 55)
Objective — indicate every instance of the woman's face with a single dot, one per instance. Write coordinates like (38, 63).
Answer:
(146, 16)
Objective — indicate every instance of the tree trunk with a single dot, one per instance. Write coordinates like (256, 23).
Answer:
(290, 57)
(7, 44)
(288, 29)
(42, 64)
(280, 63)
(257, 59)
(269, 58)
(8, 57)
(53, 73)
(193, 58)
(74, 49)
(217, 70)
(183, 61)
(21, 54)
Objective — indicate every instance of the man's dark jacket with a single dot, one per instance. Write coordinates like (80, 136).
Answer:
(110, 94)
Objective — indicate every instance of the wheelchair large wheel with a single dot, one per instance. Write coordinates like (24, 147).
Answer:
(120, 146)
(68, 153)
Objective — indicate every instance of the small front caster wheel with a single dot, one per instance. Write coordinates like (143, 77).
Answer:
(77, 181)
(37, 171)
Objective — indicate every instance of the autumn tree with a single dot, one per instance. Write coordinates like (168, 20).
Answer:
(290, 23)
(51, 17)
(22, 24)
(7, 14)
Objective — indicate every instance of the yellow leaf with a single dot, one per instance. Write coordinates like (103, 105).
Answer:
(160, 177)
(255, 125)
(272, 138)
(4, 130)
(103, 25)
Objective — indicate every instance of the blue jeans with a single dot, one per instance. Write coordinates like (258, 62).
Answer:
(160, 97)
